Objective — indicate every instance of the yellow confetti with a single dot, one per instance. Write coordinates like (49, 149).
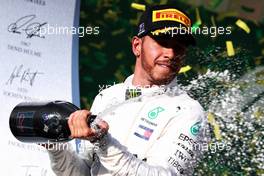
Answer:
(261, 41)
(214, 25)
(213, 21)
(260, 172)
(216, 127)
(221, 16)
(185, 69)
(260, 74)
(118, 31)
(111, 15)
(138, 6)
(118, 75)
(230, 48)
(198, 20)
(164, 2)
(198, 17)
(119, 55)
(243, 25)
(258, 60)
(97, 45)
(259, 113)
(260, 82)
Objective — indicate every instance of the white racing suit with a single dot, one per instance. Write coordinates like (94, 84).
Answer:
(156, 134)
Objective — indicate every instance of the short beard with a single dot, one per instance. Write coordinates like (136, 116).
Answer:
(163, 81)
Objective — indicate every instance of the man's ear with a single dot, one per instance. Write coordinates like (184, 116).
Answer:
(136, 45)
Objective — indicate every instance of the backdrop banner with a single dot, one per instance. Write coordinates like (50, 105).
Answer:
(39, 61)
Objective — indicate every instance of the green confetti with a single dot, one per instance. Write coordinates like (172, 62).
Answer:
(196, 26)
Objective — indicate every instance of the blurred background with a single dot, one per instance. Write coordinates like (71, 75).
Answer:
(225, 73)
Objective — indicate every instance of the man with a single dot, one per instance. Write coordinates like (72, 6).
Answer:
(158, 129)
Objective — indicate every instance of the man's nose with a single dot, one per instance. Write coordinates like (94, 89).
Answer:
(168, 53)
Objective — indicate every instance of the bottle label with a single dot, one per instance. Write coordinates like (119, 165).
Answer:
(24, 121)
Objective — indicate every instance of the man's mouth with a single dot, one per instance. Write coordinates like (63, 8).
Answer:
(165, 64)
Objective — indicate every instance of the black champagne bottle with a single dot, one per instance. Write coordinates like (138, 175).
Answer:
(41, 122)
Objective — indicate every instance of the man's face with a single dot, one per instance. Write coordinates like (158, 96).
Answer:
(161, 58)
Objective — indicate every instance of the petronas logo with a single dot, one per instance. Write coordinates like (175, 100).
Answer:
(196, 128)
(155, 112)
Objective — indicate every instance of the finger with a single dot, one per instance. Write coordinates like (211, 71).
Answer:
(78, 124)
(79, 133)
(84, 126)
(75, 125)
(81, 124)
(70, 124)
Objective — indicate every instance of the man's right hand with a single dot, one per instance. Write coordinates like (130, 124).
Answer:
(79, 128)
